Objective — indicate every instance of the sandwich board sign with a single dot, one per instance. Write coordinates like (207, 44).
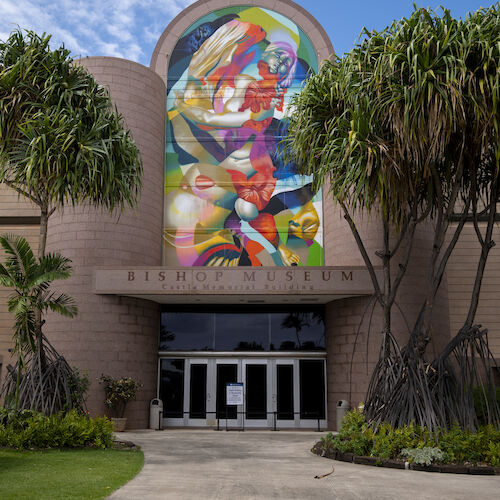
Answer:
(234, 394)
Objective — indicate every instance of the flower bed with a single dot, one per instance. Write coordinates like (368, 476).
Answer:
(413, 447)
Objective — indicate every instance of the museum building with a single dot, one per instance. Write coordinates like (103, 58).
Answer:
(231, 269)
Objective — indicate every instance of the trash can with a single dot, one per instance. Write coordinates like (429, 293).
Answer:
(155, 414)
(342, 408)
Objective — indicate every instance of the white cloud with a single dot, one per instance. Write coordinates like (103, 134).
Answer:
(118, 28)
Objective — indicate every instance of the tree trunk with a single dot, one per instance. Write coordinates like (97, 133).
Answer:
(44, 221)
(42, 243)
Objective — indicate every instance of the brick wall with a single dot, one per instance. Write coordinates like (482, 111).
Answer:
(343, 317)
(116, 335)
(13, 205)
(461, 274)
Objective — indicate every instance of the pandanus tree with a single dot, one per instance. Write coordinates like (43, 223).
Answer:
(407, 125)
(61, 140)
(29, 280)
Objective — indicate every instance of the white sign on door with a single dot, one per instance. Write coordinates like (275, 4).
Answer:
(234, 394)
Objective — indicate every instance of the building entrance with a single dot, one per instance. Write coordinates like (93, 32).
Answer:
(278, 391)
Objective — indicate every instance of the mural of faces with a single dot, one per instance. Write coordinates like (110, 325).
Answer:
(230, 200)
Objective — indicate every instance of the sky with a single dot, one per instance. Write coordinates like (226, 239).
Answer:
(131, 28)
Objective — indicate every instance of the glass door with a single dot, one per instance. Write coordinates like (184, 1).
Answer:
(285, 396)
(172, 390)
(198, 392)
(258, 389)
(282, 392)
(227, 372)
(299, 397)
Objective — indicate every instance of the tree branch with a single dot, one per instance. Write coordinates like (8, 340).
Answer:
(22, 192)
(364, 254)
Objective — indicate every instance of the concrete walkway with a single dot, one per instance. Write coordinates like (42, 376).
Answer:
(205, 464)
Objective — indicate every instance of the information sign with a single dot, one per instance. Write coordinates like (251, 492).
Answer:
(234, 394)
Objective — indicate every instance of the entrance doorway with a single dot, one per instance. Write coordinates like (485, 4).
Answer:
(279, 392)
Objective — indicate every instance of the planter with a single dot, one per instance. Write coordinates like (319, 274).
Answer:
(392, 464)
(344, 457)
(357, 459)
(425, 468)
(482, 470)
(119, 424)
(454, 469)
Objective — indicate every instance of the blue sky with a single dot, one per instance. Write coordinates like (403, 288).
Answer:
(130, 28)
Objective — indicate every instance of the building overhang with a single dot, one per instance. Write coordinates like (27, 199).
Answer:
(266, 285)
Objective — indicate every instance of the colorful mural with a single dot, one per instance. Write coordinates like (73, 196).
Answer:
(229, 198)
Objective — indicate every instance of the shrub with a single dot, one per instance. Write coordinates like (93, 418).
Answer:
(456, 445)
(388, 442)
(423, 456)
(483, 400)
(492, 455)
(71, 430)
(9, 415)
(467, 446)
(79, 384)
(354, 436)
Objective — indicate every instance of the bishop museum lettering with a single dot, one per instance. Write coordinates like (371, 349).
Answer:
(232, 268)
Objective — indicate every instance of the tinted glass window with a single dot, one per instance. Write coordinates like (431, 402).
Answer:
(242, 332)
(302, 331)
(183, 331)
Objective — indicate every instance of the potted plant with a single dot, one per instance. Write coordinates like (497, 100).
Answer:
(118, 392)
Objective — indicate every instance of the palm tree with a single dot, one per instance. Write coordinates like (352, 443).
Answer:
(30, 280)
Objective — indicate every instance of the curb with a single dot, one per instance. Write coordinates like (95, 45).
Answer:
(483, 470)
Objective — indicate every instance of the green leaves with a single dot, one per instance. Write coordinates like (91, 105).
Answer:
(423, 446)
(390, 124)
(118, 392)
(61, 140)
(29, 429)
(30, 281)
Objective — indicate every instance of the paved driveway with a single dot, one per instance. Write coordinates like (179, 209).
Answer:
(206, 464)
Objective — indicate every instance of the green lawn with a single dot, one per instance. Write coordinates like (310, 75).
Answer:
(65, 474)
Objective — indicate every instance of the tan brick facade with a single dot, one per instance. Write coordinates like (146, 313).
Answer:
(118, 335)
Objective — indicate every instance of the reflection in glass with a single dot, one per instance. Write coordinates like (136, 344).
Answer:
(172, 387)
(297, 330)
(242, 332)
(182, 331)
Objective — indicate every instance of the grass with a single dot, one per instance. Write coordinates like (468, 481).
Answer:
(81, 474)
